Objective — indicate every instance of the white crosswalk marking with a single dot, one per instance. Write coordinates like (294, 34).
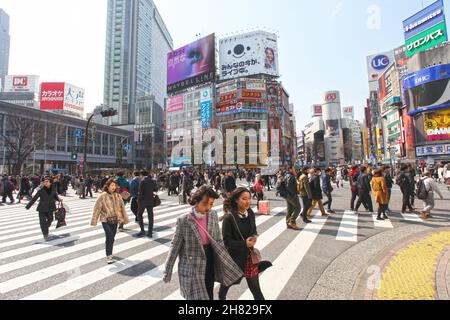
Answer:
(288, 261)
(381, 224)
(348, 229)
(75, 256)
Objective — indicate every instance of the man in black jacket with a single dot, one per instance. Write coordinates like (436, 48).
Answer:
(47, 197)
(229, 183)
(406, 187)
(147, 189)
(389, 183)
(364, 190)
(292, 200)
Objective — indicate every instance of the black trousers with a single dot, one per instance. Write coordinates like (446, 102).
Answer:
(365, 198)
(352, 201)
(140, 217)
(8, 195)
(306, 204)
(209, 275)
(260, 197)
(329, 200)
(253, 285)
(406, 201)
(88, 192)
(110, 233)
(45, 221)
(382, 209)
(134, 206)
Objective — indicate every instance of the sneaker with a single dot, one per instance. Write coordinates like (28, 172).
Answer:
(109, 260)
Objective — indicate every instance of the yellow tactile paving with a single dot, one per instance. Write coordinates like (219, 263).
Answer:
(410, 275)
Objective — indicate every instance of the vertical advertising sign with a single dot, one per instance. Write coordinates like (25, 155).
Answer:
(52, 96)
(425, 29)
(73, 98)
(206, 108)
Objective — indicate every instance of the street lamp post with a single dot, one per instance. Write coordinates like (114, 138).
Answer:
(105, 114)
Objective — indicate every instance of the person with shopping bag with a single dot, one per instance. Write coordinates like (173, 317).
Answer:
(240, 236)
(203, 258)
(47, 205)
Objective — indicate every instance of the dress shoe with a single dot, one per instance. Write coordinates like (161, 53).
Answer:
(380, 219)
(141, 234)
(385, 217)
(149, 235)
(307, 221)
(293, 226)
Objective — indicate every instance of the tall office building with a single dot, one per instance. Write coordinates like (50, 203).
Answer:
(137, 44)
(4, 44)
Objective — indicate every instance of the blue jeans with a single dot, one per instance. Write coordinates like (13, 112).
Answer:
(110, 233)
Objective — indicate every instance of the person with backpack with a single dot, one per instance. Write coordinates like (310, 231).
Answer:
(305, 193)
(364, 189)
(328, 189)
(380, 193)
(404, 182)
(426, 187)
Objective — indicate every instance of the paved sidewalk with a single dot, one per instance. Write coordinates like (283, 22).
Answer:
(416, 269)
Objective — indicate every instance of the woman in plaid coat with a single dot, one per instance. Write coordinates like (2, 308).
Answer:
(198, 244)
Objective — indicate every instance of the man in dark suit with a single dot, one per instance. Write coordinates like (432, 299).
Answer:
(147, 189)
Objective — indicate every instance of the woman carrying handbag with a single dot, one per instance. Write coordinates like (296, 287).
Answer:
(198, 244)
(240, 236)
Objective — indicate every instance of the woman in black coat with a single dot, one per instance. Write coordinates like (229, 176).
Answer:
(239, 236)
(47, 205)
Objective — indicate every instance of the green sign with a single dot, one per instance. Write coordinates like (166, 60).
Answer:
(427, 39)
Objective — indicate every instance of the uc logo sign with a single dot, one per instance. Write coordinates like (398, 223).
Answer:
(380, 62)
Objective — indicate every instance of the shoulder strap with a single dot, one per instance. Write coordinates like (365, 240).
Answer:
(237, 227)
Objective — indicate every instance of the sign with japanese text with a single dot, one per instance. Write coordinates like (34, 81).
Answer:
(248, 54)
(206, 108)
(191, 65)
(443, 149)
(427, 39)
(15, 83)
(52, 96)
(348, 112)
(424, 19)
(73, 98)
(175, 104)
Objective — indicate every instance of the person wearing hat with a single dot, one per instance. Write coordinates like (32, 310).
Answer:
(47, 205)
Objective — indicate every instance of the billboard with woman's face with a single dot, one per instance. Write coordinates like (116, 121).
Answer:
(248, 54)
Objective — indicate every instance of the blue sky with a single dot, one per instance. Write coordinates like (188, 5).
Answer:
(323, 43)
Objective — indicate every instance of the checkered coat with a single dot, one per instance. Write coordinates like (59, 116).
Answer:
(187, 246)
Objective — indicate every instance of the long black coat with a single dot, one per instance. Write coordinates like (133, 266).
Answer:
(147, 189)
(232, 239)
(316, 190)
(47, 201)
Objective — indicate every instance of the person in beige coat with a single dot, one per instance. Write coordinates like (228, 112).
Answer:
(110, 211)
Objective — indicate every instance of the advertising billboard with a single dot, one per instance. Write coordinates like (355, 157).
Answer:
(428, 89)
(437, 125)
(14, 83)
(191, 65)
(248, 54)
(348, 112)
(52, 96)
(206, 108)
(376, 65)
(424, 20)
(316, 110)
(175, 104)
(427, 39)
(73, 98)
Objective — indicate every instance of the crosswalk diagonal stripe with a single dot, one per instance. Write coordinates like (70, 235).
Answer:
(288, 261)
(381, 224)
(348, 228)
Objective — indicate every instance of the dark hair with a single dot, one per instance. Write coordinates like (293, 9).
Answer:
(355, 167)
(230, 204)
(270, 49)
(136, 173)
(328, 170)
(305, 170)
(144, 173)
(108, 183)
(404, 167)
(201, 193)
(363, 168)
(120, 174)
(317, 170)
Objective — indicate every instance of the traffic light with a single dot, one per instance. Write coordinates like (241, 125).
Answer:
(108, 113)
(74, 156)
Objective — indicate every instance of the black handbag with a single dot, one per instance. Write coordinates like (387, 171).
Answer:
(60, 216)
(156, 201)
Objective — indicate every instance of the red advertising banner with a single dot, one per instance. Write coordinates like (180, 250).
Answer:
(52, 96)
(408, 128)
(251, 94)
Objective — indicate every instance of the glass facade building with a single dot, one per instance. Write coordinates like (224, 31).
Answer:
(4, 44)
(137, 44)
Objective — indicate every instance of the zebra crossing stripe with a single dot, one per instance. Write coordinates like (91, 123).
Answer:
(348, 229)
(61, 231)
(275, 279)
(143, 281)
(411, 217)
(381, 224)
(264, 240)
(30, 278)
